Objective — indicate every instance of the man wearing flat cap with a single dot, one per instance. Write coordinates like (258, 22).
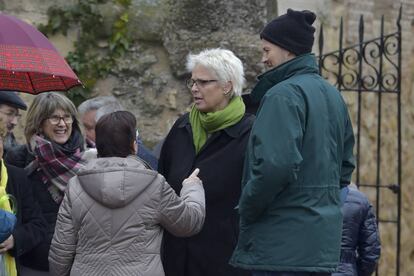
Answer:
(299, 155)
(10, 103)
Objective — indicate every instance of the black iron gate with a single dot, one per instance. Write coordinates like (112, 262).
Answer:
(369, 73)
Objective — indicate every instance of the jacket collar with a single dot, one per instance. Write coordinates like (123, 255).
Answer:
(304, 64)
(233, 131)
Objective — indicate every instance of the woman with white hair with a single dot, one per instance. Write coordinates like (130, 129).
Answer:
(212, 137)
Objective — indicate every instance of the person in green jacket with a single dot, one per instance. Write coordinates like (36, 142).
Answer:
(299, 155)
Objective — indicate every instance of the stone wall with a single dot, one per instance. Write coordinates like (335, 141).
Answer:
(149, 81)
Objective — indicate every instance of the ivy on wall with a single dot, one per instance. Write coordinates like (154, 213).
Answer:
(96, 49)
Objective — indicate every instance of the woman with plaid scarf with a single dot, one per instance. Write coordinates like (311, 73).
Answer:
(52, 155)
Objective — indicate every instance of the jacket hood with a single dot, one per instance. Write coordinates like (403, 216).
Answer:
(115, 181)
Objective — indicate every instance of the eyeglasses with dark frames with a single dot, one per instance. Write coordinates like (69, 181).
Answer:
(198, 82)
(55, 119)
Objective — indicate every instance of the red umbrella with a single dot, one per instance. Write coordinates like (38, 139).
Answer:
(29, 62)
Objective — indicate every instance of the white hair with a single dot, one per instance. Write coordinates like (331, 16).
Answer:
(223, 64)
(108, 108)
(95, 103)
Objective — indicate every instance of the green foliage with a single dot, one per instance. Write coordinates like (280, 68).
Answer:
(90, 60)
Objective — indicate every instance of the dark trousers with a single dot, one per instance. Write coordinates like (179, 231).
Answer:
(280, 273)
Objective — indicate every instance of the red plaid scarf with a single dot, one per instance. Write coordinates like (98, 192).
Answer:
(56, 164)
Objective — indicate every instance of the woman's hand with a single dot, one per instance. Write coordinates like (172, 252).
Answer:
(7, 245)
(193, 178)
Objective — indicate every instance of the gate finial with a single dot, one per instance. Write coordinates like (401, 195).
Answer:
(361, 29)
(399, 18)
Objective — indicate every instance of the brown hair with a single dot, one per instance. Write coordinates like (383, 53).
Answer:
(116, 134)
(43, 107)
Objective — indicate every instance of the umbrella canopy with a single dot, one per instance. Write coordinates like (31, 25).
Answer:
(28, 60)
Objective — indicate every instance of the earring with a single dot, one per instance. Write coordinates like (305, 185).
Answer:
(226, 93)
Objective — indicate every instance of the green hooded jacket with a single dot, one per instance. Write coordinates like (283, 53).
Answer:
(299, 154)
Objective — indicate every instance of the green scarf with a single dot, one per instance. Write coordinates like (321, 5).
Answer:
(205, 123)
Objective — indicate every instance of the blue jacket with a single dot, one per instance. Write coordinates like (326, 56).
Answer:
(7, 222)
(360, 246)
(145, 154)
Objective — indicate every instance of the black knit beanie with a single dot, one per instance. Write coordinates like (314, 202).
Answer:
(292, 31)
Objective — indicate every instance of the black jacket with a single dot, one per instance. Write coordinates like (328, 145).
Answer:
(360, 246)
(30, 227)
(37, 257)
(221, 163)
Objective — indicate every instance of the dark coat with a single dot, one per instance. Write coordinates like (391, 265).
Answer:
(360, 246)
(30, 227)
(220, 162)
(37, 257)
(298, 156)
(9, 142)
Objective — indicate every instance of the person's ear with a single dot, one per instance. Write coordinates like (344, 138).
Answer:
(135, 147)
(228, 87)
(290, 55)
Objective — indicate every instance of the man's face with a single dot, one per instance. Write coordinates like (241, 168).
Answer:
(274, 55)
(88, 121)
(10, 115)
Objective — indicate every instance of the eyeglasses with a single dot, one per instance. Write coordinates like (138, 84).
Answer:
(11, 115)
(55, 120)
(198, 82)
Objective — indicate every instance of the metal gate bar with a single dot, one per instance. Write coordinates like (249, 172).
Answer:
(371, 66)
